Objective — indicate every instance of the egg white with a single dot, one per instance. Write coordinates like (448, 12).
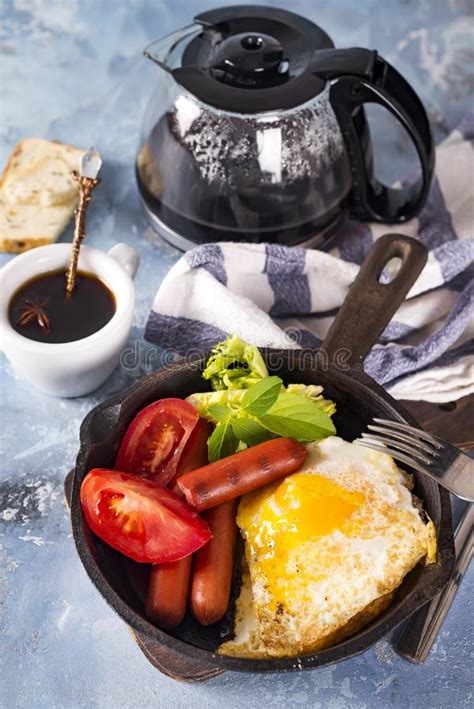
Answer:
(324, 550)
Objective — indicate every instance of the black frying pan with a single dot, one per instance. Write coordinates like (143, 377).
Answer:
(338, 368)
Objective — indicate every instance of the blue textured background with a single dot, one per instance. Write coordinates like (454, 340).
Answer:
(72, 70)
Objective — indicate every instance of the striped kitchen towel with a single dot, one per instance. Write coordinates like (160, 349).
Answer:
(277, 296)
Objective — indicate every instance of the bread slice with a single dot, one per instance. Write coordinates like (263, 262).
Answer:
(37, 193)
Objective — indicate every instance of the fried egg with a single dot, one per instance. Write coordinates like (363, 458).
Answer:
(325, 549)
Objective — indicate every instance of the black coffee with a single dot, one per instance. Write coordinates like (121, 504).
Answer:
(42, 310)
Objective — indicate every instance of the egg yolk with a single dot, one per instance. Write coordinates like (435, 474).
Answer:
(285, 515)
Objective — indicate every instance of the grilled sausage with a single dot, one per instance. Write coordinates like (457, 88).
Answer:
(248, 470)
(169, 583)
(168, 591)
(213, 565)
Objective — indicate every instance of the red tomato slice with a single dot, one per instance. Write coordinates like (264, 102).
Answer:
(155, 439)
(141, 518)
(195, 454)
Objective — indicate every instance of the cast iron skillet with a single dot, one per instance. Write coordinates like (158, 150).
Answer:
(338, 368)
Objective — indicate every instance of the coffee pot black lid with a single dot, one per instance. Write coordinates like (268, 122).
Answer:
(251, 59)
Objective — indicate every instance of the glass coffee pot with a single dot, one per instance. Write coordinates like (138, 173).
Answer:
(257, 132)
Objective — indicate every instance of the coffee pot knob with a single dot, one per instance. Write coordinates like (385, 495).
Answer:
(246, 55)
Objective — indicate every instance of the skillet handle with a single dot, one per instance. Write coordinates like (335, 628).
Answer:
(369, 304)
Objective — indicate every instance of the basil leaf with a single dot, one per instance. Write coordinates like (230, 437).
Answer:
(261, 396)
(222, 442)
(219, 412)
(250, 432)
(298, 417)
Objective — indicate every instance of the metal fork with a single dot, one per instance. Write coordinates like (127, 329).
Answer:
(430, 455)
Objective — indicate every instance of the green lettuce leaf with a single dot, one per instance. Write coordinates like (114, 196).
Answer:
(248, 406)
(233, 364)
(204, 402)
(230, 402)
(314, 392)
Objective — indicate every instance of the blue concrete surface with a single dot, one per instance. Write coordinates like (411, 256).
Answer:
(72, 70)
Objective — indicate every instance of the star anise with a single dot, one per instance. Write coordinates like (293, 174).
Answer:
(34, 310)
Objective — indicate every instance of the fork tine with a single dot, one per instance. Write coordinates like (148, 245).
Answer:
(398, 446)
(389, 451)
(398, 435)
(460, 484)
(415, 431)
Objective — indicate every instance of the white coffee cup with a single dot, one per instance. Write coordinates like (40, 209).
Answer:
(71, 368)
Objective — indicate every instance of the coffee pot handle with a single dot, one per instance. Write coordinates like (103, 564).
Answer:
(359, 76)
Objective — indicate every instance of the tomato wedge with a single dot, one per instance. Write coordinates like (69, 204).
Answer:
(195, 453)
(155, 439)
(141, 518)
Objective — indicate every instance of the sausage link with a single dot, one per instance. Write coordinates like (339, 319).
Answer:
(168, 592)
(213, 566)
(248, 470)
(168, 587)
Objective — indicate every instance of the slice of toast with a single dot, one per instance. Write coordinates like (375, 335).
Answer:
(37, 193)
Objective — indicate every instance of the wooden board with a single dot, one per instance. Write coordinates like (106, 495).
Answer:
(453, 421)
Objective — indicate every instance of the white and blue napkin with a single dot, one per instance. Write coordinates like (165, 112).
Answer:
(284, 297)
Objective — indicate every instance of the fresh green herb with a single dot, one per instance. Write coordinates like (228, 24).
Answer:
(222, 442)
(219, 412)
(250, 432)
(261, 396)
(266, 409)
(204, 402)
(250, 407)
(298, 417)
